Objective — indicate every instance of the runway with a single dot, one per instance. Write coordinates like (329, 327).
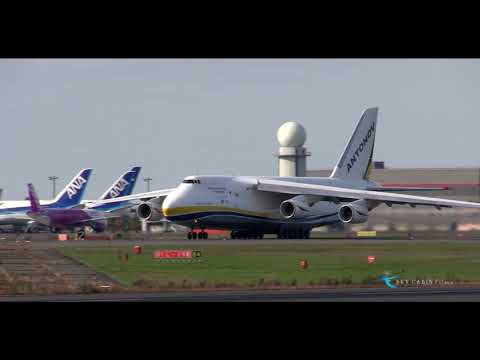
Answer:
(299, 295)
(36, 243)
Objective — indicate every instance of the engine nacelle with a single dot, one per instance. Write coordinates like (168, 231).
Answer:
(354, 213)
(296, 207)
(150, 210)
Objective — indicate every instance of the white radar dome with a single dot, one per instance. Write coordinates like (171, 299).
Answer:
(291, 134)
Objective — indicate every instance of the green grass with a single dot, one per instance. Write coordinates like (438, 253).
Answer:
(258, 265)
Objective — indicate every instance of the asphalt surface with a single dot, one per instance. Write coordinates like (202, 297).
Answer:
(33, 242)
(300, 295)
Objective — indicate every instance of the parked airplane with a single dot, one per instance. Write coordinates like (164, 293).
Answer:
(15, 212)
(63, 218)
(290, 207)
(123, 186)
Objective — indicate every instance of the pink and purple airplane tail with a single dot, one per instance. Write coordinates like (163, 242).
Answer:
(32, 196)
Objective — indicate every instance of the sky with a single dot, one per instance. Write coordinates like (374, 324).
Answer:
(180, 117)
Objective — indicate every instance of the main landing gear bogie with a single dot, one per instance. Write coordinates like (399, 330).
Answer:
(201, 235)
(246, 235)
(293, 234)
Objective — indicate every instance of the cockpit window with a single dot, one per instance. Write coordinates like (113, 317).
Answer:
(191, 181)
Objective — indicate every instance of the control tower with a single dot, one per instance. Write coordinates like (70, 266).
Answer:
(292, 156)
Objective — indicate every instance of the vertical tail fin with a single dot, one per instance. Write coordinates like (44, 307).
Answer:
(356, 160)
(72, 194)
(32, 196)
(133, 179)
(123, 186)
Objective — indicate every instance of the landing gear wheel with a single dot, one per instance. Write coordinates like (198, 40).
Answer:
(205, 235)
(194, 235)
(189, 235)
(233, 235)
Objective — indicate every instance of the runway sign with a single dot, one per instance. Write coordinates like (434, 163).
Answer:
(176, 254)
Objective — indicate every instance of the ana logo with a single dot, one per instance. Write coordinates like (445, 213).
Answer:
(76, 185)
(360, 148)
(118, 188)
(387, 279)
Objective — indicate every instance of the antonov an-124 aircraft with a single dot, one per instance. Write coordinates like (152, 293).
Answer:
(251, 206)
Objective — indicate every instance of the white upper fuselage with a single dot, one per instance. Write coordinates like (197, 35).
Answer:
(14, 212)
(232, 202)
(18, 205)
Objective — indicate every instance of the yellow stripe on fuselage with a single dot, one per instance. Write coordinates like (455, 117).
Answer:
(184, 210)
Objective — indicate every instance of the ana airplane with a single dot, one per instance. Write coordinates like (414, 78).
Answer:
(251, 206)
(91, 216)
(63, 218)
(15, 212)
(123, 186)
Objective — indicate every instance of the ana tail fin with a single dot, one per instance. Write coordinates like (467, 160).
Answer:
(133, 180)
(123, 186)
(356, 160)
(32, 196)
(72, 194)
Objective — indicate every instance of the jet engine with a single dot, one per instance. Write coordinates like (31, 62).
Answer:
(296, 207)
(150, 210)
(354, 213)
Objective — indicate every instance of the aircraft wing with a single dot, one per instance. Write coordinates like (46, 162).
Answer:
(391, 188)
(142, 197)
(337, 194)
(97, 218)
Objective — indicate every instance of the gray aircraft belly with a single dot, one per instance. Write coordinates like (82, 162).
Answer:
(14, 219)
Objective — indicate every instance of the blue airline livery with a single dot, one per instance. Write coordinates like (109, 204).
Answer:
(123, 186)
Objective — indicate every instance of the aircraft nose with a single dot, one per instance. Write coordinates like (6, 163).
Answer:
(169, 204)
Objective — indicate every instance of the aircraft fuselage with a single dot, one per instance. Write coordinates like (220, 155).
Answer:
(233, 203)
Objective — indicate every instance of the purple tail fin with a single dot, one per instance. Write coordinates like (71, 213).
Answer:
(32, 195)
